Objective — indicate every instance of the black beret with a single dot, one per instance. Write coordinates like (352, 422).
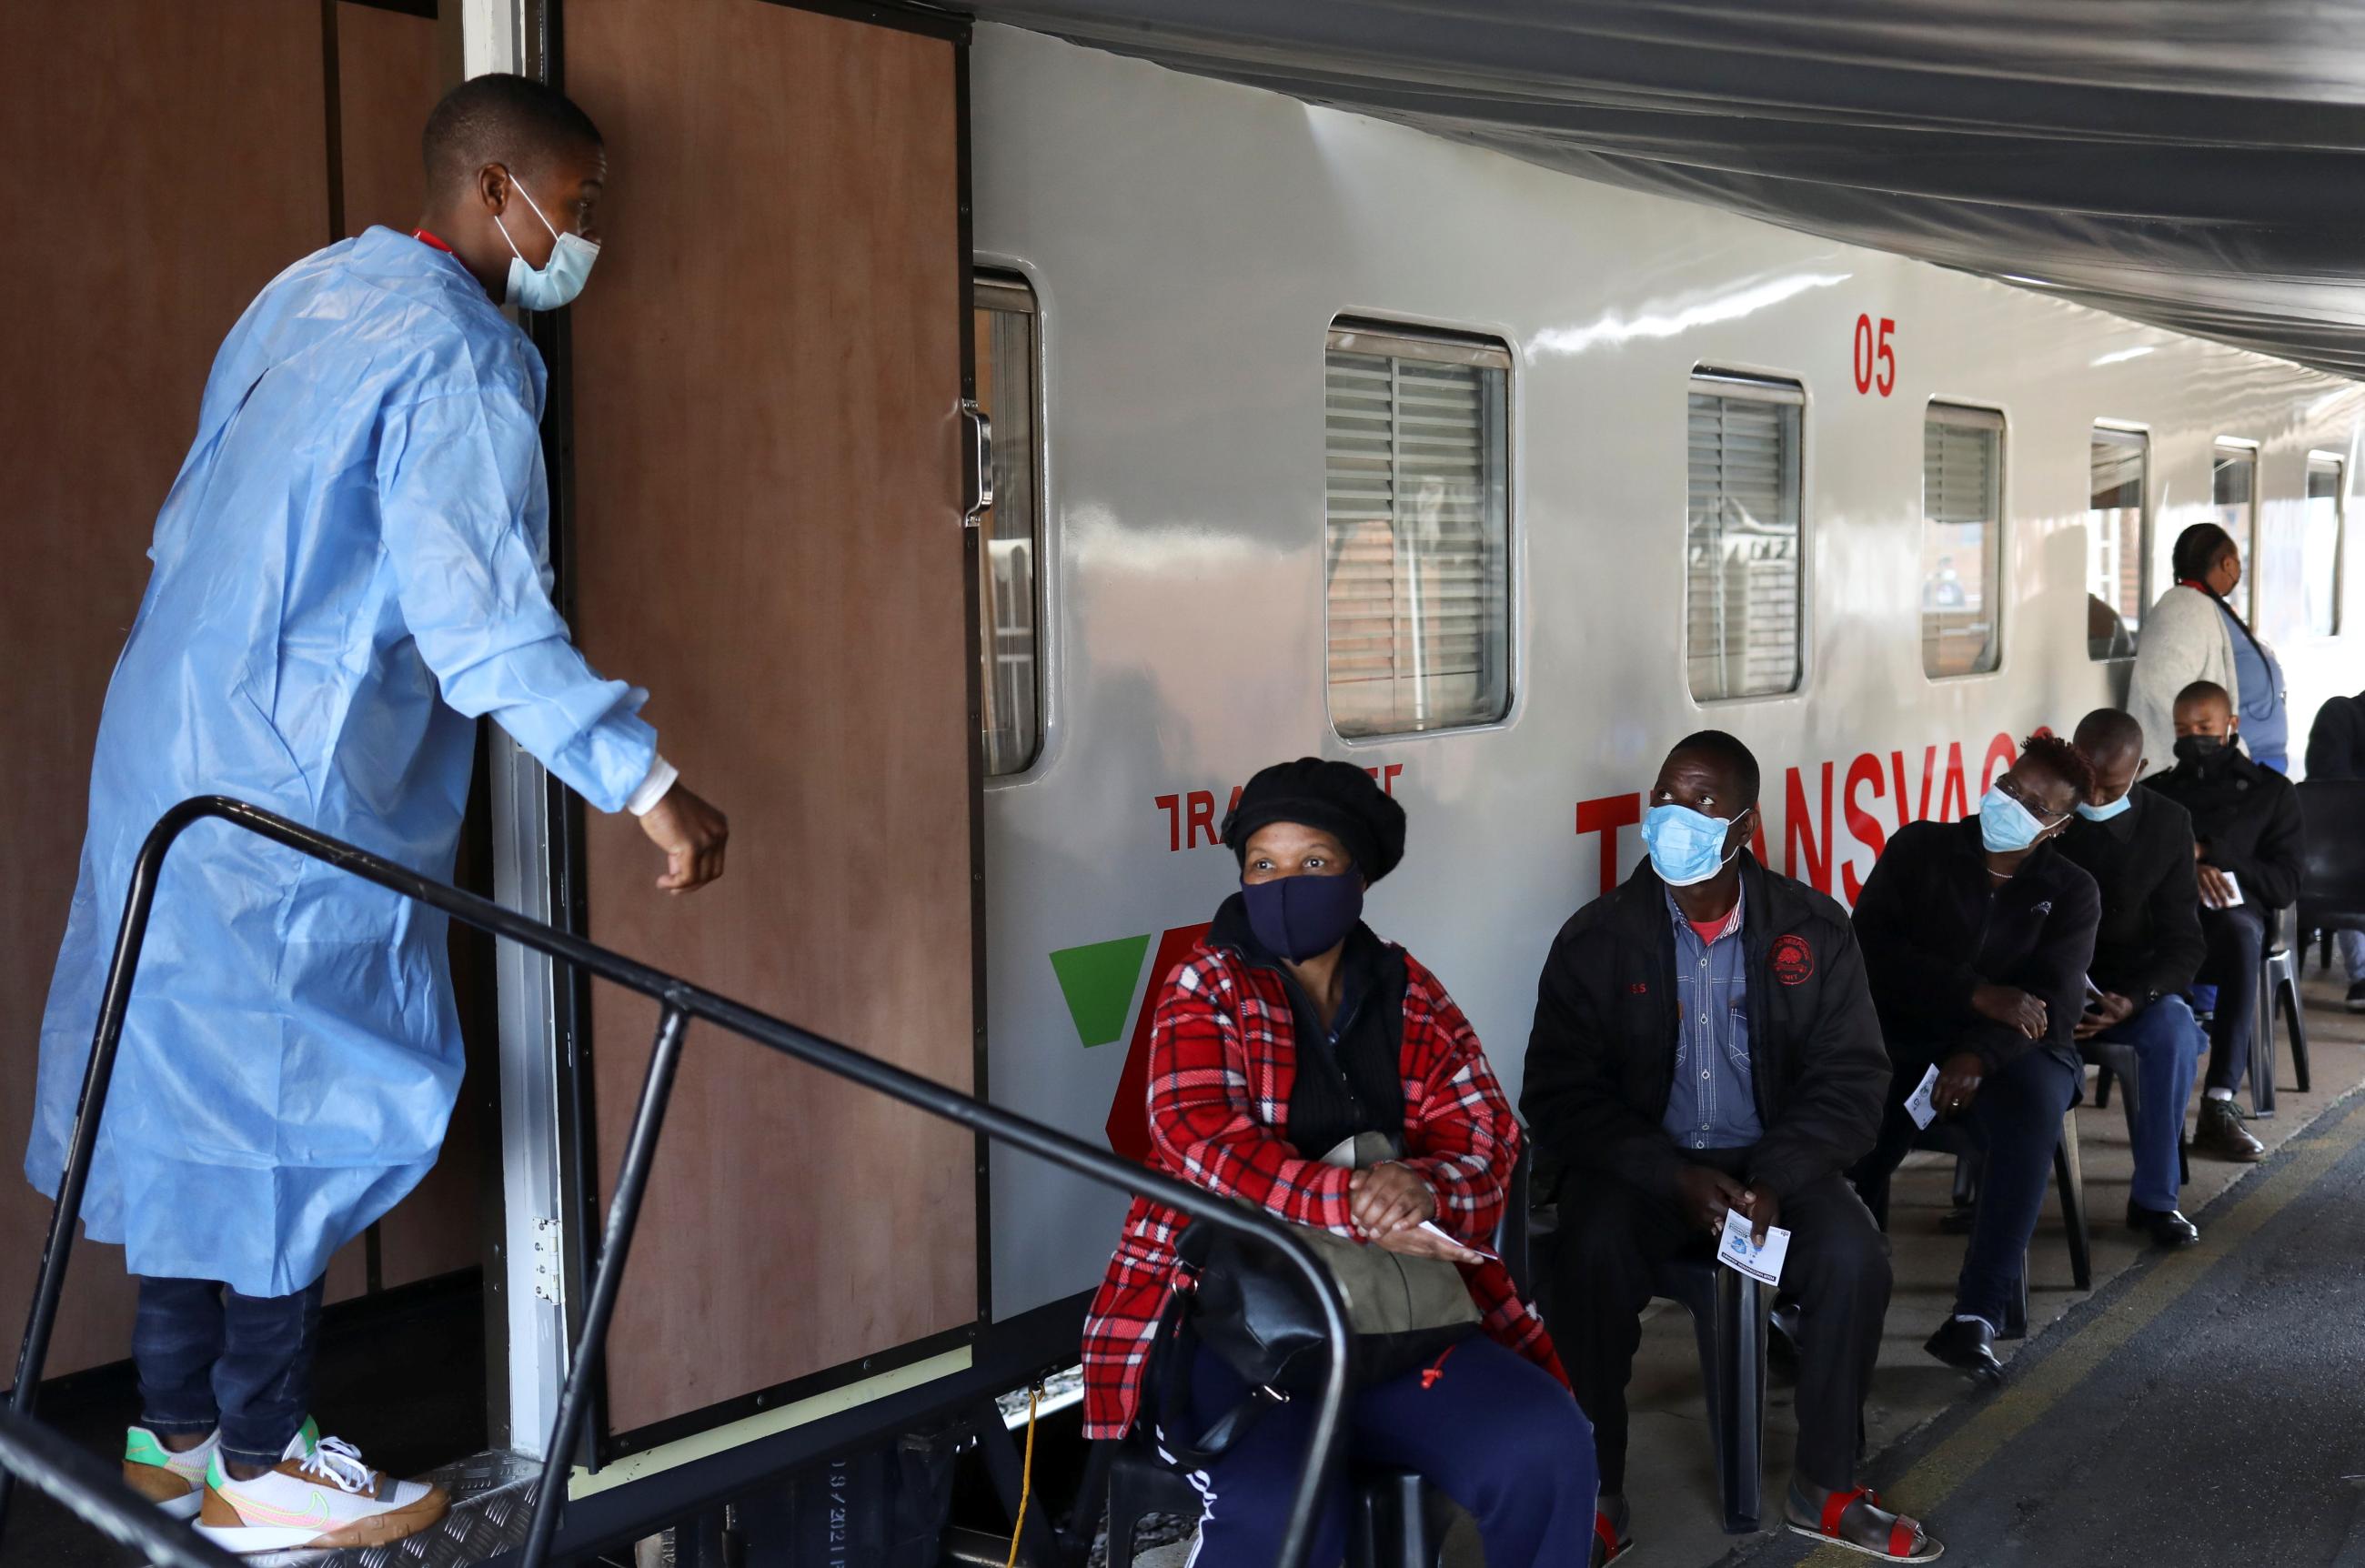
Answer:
(1336, 797)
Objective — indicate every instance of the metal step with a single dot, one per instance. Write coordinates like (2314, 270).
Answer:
(492, 1502)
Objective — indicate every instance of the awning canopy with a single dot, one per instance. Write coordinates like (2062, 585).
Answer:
(2198, 164)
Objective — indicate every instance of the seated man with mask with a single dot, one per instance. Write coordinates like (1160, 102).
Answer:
(1704, 1043)
(2137, 846)
(1977, 936)
(2247, 842)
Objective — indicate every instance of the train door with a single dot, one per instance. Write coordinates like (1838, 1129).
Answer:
(165, 161)
(763, 513)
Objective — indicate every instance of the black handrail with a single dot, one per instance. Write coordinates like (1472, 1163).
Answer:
(681, 1002)
(86, 1486)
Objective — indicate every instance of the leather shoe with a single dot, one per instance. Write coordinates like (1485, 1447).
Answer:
(2356, 1002)
(2222, 1136)
(1964, 1344)
(2166, 1228)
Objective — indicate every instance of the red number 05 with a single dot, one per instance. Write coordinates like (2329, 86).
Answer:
(1875, 362)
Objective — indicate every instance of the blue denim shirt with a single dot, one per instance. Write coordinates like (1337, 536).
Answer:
(1714, 1104)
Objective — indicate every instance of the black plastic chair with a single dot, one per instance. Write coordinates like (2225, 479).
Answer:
(2068, 1181)
(1728, 1315)
(2278, 993)
(2332, 876)
(2116, 1060)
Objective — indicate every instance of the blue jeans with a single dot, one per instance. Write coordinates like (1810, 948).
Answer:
(2350, 946)
(2167, 1039)
(1495, 1432)
(209, 1357)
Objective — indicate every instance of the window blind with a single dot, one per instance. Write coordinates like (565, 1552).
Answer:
(1962, 558)
(1740, 547)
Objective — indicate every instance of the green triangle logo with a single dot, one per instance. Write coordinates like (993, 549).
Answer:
(1098, 982)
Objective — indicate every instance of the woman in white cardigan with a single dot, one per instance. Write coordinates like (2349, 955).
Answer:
(2191, 634)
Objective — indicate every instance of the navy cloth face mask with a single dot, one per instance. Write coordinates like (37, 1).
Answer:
(1301, 917)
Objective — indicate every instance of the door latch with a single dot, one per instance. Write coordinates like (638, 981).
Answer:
(980, 462)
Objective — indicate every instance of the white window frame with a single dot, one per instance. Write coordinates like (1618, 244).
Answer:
(997, 289)
(2125, 433)
(1982, 415)
(2239, 446)
(1715, 382)
(1398, 340)
(2338, 464)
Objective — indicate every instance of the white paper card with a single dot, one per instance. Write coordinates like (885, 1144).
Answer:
(1432, 1227)
(2233, 891)
(1763, 1264)
(1917, 1104)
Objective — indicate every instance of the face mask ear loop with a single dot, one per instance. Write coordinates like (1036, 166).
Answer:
(519, 186)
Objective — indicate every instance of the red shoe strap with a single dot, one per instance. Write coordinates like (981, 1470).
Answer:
(1837, 1504)
(1605, 1533)
(1901, 1535)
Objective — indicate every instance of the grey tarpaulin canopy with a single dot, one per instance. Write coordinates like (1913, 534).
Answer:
(2198, 164)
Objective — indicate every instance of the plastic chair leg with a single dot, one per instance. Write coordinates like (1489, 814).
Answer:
(1737, 1378)
(2263, 1043)
(1392, 1522)
(2070, 1177)
(2294, 1019)
(2102, 1088)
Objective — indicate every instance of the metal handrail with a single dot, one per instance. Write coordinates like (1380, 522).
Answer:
(86, 1486)
(681, 1002)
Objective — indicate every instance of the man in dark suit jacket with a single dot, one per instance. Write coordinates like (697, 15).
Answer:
(2249, 849)
(2137, 846)
(1704, 1043)
(2336, 750)
(1976, 938)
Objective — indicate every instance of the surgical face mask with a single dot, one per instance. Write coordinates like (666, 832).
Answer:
(1685, 846)
(2004, 823)
(1304, 917)
(2094, 814)
(561, 278)
(2201, 751)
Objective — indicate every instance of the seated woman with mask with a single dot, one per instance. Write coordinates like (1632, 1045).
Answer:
(1290, 1031)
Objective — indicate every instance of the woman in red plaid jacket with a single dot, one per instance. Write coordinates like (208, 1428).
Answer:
(1291, 1030)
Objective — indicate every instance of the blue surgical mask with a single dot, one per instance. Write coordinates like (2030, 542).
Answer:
(2094, 814)
(561, 278)
(1299, 918)
(1685, 846)
(2004, 823)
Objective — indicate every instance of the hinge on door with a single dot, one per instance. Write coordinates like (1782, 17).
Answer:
(980, 462)
(549, 1260)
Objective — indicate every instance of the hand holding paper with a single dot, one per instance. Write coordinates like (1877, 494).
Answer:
(1739, 1251)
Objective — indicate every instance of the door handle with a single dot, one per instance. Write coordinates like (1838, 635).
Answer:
(980, 464)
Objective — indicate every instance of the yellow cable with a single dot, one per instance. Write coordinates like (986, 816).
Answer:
(1026, 1476)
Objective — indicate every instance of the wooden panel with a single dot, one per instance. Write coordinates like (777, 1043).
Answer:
(768, 536)
(389, 74)
(197, 133)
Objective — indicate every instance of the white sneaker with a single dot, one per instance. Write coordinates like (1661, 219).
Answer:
(174, 1482)
(317, 1494)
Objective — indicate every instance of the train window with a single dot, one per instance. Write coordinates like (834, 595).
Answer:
(1962, 540)
(2327, 504)
(2234, 487)
(1742, 583)
(2118, 540)
(1417, 460)
(1009, 621)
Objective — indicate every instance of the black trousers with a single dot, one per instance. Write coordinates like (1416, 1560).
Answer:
(1611, 1235)
(2236, 937)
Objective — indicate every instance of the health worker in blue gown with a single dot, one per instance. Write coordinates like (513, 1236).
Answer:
(349, 570)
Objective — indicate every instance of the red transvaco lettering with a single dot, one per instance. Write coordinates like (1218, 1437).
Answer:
(1192, 823)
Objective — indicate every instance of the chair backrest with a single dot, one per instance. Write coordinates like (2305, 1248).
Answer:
(2332, 886)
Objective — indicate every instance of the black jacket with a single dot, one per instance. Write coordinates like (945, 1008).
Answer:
(1933, 923)
(1601, 1062)
(2247, 820)
(2148, 945)
(2336, 742)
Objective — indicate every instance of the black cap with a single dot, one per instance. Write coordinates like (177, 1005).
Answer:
(1336, 797)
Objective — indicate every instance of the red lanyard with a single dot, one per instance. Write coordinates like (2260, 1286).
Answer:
(425, 237)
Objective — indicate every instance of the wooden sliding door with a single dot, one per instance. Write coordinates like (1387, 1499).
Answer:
(767, 532)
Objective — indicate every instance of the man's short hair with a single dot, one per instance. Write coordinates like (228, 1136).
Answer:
(495, 117)
(2204, 691)
(2106, 731)
(1727, 749)
(2064, 761)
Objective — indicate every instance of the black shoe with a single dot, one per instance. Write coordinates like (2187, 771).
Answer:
(1964, 1345)
(2219, 1135)
(2167, 1229)
(2357, 996)
(1958, 1222)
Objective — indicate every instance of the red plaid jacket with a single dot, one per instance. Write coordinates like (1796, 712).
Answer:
(1222, 1062)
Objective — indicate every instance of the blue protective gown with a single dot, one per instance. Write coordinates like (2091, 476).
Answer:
(350, 568)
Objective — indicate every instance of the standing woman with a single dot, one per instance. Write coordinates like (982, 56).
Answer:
(2193, 635)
